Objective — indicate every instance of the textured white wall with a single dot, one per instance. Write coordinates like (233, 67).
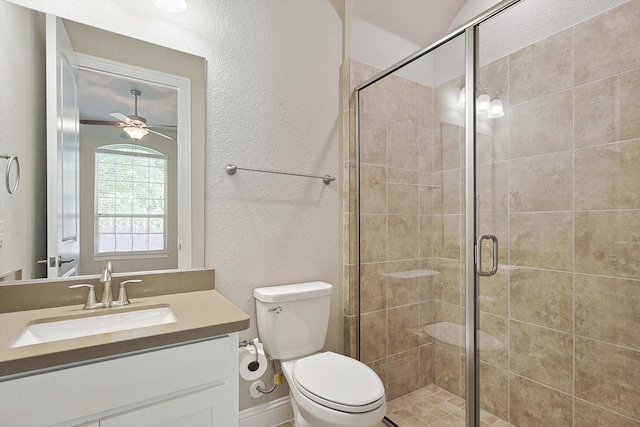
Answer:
(272, 102)
(22, 133)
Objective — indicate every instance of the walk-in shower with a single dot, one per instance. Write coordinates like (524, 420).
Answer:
(513, 145)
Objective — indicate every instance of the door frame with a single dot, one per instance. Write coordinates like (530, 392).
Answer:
(472, 221)
(58, 50)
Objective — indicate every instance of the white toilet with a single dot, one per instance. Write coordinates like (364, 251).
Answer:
(326, 389)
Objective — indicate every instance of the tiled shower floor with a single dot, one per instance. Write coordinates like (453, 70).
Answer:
(431, 406)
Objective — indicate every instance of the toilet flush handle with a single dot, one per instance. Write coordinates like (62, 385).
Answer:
(276, 310)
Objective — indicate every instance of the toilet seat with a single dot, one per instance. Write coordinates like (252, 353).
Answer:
(338, 382)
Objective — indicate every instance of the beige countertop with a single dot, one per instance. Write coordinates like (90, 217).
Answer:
(199, 314)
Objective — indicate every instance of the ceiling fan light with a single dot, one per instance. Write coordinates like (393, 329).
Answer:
(135, 133)
(171, 5)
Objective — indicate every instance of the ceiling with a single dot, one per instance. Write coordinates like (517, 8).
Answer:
(418, 21)
(103, 93)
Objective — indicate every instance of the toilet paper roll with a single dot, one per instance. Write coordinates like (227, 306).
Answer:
(248, 368)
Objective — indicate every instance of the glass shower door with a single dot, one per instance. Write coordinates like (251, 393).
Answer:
(411, 242)
(558, 179)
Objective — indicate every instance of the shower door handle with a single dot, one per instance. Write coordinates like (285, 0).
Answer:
(494, 268)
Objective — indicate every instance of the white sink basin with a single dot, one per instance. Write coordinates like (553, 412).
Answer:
(57, 329)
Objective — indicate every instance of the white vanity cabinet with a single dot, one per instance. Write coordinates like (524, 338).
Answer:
(194, 384)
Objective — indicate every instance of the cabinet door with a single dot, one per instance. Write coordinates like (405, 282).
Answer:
(206, 408)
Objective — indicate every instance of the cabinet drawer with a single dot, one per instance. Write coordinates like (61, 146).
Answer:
(126, 382)
(194, 410)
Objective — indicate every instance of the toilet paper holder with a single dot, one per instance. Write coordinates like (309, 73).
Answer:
(255, 365)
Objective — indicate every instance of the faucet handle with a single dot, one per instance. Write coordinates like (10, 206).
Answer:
(122, 294)
(91, 296)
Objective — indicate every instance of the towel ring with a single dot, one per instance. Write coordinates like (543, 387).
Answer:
(12, 159)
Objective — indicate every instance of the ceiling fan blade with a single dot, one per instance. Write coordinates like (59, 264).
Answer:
(161, 134)
(121, 117)
(100, 122)
(161, 126)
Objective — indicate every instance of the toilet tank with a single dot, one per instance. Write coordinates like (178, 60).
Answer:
(293, 319)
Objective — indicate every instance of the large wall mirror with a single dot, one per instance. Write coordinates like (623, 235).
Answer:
(125, 158)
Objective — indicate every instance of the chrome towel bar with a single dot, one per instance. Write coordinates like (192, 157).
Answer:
(408, 185)
(232, 169)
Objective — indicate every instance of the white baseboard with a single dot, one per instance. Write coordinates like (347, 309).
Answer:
(268, 414)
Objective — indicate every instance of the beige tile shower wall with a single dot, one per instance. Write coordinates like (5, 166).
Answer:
(396, 247)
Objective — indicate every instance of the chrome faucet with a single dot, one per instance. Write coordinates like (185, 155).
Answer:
(107, 296)
(105, 277)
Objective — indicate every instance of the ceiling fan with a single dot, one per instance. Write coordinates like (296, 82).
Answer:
(134, 125)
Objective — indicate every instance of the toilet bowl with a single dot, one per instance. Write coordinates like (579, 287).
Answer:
(331, 390)
(326, 389)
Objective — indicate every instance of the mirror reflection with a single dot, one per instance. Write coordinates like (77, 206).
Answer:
(128, 174)
(129, 161)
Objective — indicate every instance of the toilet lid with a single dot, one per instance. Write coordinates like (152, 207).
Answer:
(338, 382)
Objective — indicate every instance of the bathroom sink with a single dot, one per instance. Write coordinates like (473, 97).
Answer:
(57, 329)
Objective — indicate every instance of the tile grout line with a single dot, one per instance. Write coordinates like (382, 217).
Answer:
(573, 190)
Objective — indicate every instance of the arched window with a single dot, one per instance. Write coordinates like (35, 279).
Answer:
(130, 200)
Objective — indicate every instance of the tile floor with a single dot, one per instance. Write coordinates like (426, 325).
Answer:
(431, 406)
